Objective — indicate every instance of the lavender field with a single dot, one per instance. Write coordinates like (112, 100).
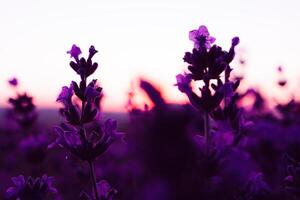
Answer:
(225, 143)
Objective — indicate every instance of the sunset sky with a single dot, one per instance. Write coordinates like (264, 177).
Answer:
(139, 38)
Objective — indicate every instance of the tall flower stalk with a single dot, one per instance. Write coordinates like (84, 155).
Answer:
(207, 63)
(73, 135)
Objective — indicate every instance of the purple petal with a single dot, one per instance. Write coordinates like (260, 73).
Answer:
(91, 93)
(18, 181)
(183, 82)
(193, 35)
(203, 31)
(65, 95)
(235, 41)
(74, 52)
(10, 192)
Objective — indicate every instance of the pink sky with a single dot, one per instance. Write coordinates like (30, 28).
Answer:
(141, 39)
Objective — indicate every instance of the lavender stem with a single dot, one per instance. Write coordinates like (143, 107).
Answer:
(93, 177)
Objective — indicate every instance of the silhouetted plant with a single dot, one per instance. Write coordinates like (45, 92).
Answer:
(73, 135)
(207, 63)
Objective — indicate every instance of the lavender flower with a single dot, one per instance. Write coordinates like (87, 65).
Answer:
(207, 63)
(256, 188)
(24, 110)
(13, 82)
(74, 52)
(73, 139)
(183, 82)
(292, 180)
(82, 66)
(30, 188)
(92, 92)
(65, 95)
(201, 37)
(22, 104)
(84, 143)
(106, 191)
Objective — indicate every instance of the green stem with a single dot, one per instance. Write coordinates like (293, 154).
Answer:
(93, 177)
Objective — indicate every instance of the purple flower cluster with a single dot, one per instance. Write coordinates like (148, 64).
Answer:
(207, 63)
(73, 135)
(31, 188)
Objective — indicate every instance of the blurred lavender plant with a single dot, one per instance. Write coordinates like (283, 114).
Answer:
(207, 63)
(73, 135)
(23, 109)
(292, 180)
(106, 192)
(31, 188)
(255, 188)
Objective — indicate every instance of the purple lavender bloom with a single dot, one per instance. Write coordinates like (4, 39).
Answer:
(30, 188)
(23, 110)
(74, 52)
(183, 82)
(22, 104)
(105, 190)
(256, 188)
(92, 52)
(257, 183)
(13, 82)
(110, 128)
(68, 137)
(81, 141)
(235, 41)
(92, 93)
(96, 144)
(65, 96)
(82, 66)
(201, 37)
(208, 101)
(207, 63)
(292, 180)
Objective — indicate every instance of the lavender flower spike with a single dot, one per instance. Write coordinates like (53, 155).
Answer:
(86, 144)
